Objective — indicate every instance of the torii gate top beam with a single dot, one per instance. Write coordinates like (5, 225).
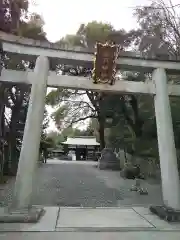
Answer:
(84, 57)
(83, 83)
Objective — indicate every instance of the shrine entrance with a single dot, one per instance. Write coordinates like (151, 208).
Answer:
(47, 55)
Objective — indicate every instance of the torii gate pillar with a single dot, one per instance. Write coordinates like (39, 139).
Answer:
(21, 209)
(167, 150)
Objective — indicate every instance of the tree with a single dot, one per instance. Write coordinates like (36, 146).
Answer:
(73, 107)
(10, 14)
(15, 98)
(132, 116)
(158, 36)
(33, 28)
(159, 32)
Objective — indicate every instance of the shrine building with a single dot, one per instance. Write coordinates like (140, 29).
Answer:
(85, 147)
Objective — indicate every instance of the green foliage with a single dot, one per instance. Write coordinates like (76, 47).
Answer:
(133, 123)
(60, 114)
(15, 98)
(95, 32)
(56, 138)
(78, 109)
(71, 40)
(159, 29)
(11, 14)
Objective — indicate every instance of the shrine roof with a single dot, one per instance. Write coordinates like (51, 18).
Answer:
(84, 141)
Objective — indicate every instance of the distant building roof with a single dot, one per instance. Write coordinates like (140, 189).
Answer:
(57, 151)
(86, 141)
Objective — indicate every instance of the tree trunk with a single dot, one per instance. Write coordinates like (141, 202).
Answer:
(101, 132)
(138, 123)
(135, 123)
(2, 141)
(12, 142)
(3, 93)
(13, 154)
(2, 125)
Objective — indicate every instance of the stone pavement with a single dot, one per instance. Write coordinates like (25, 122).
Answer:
(98, 223)
(70, 219)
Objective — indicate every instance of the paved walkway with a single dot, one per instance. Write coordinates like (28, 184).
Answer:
(100, 223)
(81, 184)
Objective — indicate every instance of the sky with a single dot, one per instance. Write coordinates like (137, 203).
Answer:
(63, 17)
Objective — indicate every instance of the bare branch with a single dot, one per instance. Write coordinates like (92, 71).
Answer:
(83, 118)
(92, 99)
(80, 102)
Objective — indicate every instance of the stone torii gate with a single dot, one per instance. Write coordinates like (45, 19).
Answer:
(41, 77)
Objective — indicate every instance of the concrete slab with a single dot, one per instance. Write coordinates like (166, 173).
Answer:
(161, 224)
(100, 218)
(142, 210)
(89, 236)
(155, 220)
(46, 223)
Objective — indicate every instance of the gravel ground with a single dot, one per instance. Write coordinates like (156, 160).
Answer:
(70, 184)
(67, 184)
(75, 184)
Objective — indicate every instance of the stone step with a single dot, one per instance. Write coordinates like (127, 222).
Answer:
(77, 219)
(91, 235)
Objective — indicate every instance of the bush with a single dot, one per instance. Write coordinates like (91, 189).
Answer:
(131, 172)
